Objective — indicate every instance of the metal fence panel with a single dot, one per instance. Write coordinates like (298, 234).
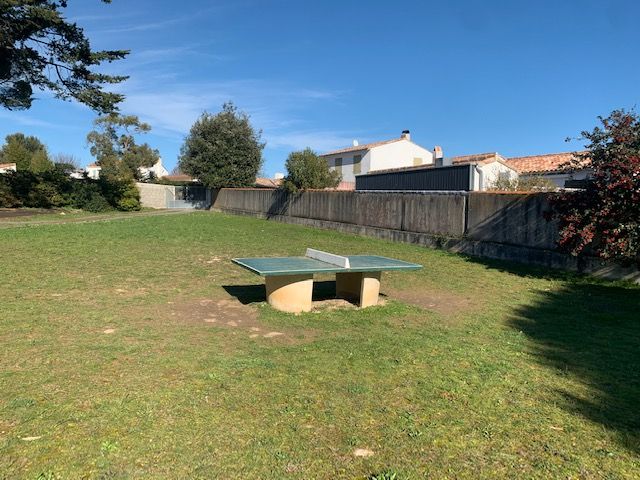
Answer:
(453, 178)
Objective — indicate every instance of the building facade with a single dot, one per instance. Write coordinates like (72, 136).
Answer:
(362, 159)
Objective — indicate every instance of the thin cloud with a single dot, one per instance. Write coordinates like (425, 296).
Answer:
(320, 141)
(141, 27)
(27, 120)
(174, 106)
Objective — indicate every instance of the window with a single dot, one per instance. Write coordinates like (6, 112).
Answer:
(417, 161)
(357, 164)
(339, 165)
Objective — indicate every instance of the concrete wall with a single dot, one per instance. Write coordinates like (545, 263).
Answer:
(493, 225)
(153, 195)
(433, 213)
(511, 220)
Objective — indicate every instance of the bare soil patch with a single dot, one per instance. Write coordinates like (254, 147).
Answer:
(19, 212)
(445, 303)
(229, 313)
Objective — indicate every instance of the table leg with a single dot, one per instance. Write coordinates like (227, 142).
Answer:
(363, 288)
(290, 293)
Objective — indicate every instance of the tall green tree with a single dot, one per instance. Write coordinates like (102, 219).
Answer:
(40, 49)
(114, 146)
(27, 152)
(306, 170)
(222, 150)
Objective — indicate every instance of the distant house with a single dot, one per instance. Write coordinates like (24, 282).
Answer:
(93, 171)
(362, 159)
(489, 168)
(553, 166)
(262, 182)
(77, 173)
(476, 172)
(158, 170)
(8, 167)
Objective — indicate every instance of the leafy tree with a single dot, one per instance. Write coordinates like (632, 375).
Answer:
(604, 218)
(306, 170)
(40, 49)
(114, 146)
(222, 150)
(27, 152)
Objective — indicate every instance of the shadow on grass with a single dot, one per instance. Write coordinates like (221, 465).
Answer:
(247, 294)
(588, 329)
(591, 332)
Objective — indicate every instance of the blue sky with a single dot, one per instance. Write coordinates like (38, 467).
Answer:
(516, 77)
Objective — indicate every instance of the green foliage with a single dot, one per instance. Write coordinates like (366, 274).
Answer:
(87, 195)
(114, 146)
(604, 218)
(27, 152)
(55, 189)
(222, 150)
(386, 475)
(48, 189)
(40, 48)
(533, 183)
(305, 170)
(7, 197)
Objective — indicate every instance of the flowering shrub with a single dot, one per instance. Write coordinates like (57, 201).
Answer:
(604, 218)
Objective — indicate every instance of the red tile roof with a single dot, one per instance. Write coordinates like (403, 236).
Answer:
(7, 165)
(268, 182)
(366, 146)
(178, 178)
(550, 162)
(481, 158)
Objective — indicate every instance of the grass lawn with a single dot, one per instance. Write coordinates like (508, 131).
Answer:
(134, 349)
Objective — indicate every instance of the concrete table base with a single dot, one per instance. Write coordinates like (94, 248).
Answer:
(290, 293)
(363, 288)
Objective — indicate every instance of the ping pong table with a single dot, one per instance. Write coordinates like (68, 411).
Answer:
(289, 280)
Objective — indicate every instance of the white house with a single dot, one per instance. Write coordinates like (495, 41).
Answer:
(158, 170)
(7, 167)
(488, 169)
(362, 159)
(93, 171)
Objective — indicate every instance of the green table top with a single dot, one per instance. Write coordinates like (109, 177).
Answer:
(269, 266)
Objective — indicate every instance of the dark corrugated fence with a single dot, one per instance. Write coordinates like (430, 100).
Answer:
(453, 178)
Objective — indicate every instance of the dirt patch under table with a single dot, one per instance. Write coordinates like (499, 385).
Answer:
(232, 314)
